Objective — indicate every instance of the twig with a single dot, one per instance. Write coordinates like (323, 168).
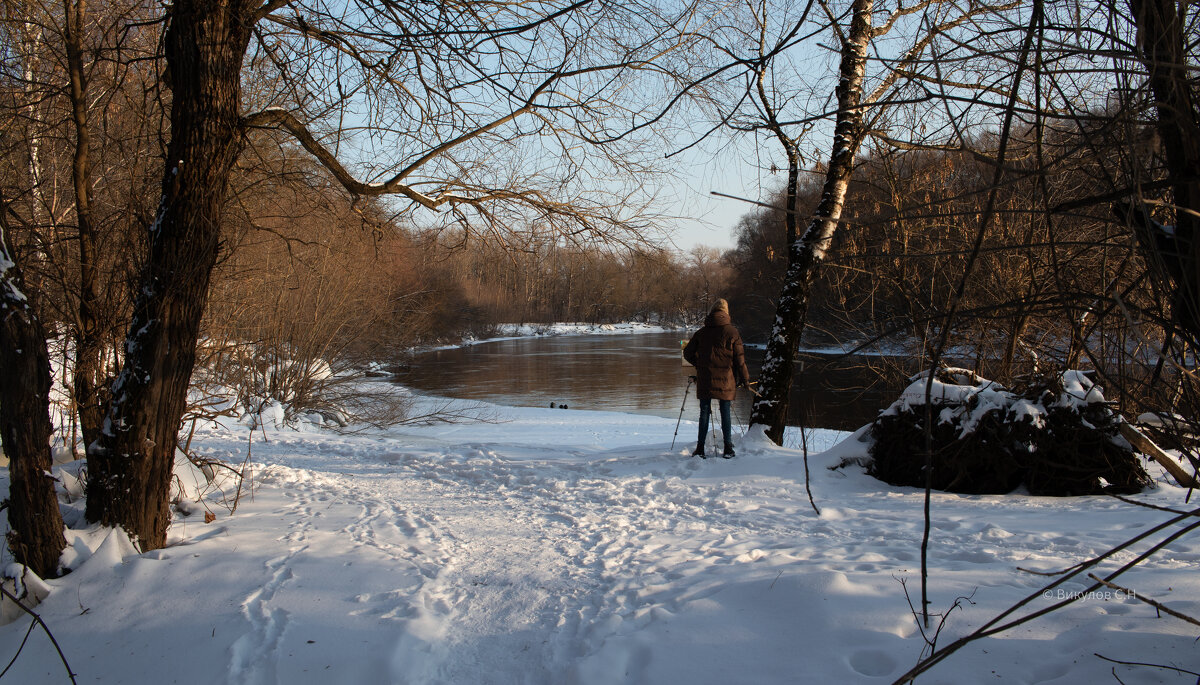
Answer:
(20, 648)
(931, 642)
(985, 220)
(187, 445)
(202, 462)
(807, 478)
(1154, 603)
(38, 621)
(1138, 663)
(1045, 573)
(804, 446)
(998, 625)
(237, 497)
(772, 585)
(1147, 505)
(1179, 516)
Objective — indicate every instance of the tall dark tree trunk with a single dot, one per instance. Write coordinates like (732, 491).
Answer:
(89, 347)
(36, 536)
(806, 253)
(130, 467)
(1160, 29)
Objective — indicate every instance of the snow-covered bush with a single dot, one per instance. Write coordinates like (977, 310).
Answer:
(277, 373)
(265, 386)
(1059, 438)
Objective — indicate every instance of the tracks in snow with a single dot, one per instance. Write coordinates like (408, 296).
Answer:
(507, 570)
(256, 652)
(541, 568)
(524, 564)
(547, 559)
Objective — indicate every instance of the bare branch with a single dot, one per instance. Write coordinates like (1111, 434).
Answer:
(1154, 603)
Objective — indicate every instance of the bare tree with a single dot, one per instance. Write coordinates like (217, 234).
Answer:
(862, 102)
(36, 536)
(1164, 36)
(456, 84)
(78, 192)
(89, 341)
(44, 85)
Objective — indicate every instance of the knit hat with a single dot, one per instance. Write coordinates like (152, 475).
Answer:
(720, 306)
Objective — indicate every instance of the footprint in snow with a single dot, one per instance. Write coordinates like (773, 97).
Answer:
(872, 662)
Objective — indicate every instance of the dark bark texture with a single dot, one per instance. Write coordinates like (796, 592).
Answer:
(88, 373)
(131, 465)
(1160, 30)
(36, 536)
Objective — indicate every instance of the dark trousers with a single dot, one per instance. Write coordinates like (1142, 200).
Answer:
(706, 416)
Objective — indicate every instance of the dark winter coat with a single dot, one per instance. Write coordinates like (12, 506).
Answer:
(719, 357)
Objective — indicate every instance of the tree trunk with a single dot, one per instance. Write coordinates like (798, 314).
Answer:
(1161, 39)
(36, 538)
(131, 465)
(805, 254)
(88, 374)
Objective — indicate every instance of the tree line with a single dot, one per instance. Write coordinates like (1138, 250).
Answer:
(908, 231)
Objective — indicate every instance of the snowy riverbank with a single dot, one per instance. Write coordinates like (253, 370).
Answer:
(578, 547)
(516, 331)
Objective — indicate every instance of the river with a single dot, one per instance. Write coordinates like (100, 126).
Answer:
(640, 373)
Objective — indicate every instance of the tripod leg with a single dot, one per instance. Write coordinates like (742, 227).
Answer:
(681, 406)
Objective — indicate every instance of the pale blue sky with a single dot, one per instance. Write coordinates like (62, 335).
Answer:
(741, 169)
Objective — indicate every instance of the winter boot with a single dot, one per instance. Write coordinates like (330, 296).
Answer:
(699, 451)
(729, 453)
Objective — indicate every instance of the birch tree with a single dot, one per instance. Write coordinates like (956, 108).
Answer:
(860, 104)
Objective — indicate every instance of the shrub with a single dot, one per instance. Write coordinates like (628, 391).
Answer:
(1056, 439)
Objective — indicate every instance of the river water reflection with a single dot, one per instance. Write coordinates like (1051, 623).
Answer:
(639, 373)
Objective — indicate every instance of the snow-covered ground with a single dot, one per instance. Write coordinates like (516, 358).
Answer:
(556, 547)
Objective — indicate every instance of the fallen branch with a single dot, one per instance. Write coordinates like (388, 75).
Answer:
(1045, 573)
(1154, 603)
(1147, 446)
(1139, 663)
(1002, 622)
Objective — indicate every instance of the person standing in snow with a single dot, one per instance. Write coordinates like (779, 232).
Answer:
(717, 353)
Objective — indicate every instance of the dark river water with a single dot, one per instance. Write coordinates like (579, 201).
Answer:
(640, 373)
